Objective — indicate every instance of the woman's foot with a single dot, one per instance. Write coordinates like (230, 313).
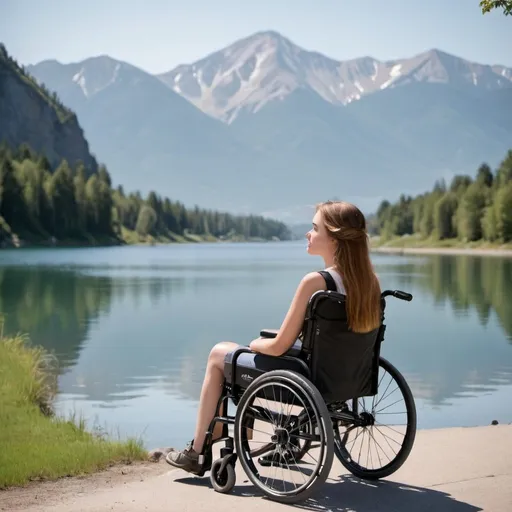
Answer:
(188, 459)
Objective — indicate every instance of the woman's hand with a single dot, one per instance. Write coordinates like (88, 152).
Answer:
(261, 345)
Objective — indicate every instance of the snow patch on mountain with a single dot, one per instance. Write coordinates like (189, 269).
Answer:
(267, 67)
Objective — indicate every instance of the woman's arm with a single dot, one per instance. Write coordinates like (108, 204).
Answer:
(292, 324)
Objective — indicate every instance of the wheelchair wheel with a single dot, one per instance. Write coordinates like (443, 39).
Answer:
(291, 410)
(222, 480)
(379, 447)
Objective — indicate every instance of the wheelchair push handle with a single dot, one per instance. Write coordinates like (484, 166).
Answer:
(398, 294)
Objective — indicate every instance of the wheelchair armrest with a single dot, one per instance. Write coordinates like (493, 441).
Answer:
(269, 333)
(231, 357)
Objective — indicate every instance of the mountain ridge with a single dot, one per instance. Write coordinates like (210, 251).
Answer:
(284, 144)
(227, 80)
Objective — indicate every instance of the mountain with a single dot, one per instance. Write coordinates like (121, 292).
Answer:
(370, 128)
(30, 114)
(149, 136)
(267, 67)
(265, 126)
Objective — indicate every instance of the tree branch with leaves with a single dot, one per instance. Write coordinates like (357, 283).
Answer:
(489, 5)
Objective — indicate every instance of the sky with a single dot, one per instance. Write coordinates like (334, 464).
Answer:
(157, 35)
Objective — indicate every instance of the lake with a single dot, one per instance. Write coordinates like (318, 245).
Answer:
(132, 326)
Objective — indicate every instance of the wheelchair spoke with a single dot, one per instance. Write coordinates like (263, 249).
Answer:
(373, 402)
(360, 432)
(291, 474)
(259, 411)
(383, 394)
(275, 401)
(311, 457)
(281, 405)
(386, 439)
(389, 394)
(361, 447)
(271, 415)
(368, 455)
(384, 373)
(379, 446)
(300, 471)
(291, 406)
(388, 406)
(390, 428)
(290, 410)
(257, 430)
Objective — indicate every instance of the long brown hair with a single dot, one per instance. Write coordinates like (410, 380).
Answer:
(347, 225)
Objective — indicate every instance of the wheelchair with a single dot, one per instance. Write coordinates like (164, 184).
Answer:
(324, 397)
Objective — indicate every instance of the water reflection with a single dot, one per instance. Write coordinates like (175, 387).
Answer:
(470, 283)
(135, 337)
(454, 341)
(54, 307)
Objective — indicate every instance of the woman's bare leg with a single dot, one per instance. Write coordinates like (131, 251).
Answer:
(210, 393)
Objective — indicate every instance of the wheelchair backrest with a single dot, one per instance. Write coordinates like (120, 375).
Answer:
(343, 364)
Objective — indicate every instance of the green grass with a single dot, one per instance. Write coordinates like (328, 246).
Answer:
(416, 241)
(35, 444)
(131, 237)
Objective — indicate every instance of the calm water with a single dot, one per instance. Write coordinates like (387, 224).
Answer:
(132, 326)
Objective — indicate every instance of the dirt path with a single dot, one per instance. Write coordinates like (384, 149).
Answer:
(52, 493)
(449, 470)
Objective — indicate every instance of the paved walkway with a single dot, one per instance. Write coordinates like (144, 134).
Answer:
(449, 470)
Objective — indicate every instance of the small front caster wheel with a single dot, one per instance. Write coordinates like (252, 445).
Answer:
(222, 480)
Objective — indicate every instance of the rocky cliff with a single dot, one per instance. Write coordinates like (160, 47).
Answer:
(30, 114)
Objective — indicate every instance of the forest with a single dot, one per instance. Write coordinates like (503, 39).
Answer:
(469, 209)
(40, 204)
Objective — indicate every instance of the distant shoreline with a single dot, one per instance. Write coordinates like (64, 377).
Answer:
(124, 242)
(477, 251)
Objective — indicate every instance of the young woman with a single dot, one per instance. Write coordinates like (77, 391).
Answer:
(339, 237)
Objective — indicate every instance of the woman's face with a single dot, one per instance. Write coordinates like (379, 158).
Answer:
(320, 243)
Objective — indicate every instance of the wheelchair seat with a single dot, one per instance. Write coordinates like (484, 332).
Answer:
(247, 366)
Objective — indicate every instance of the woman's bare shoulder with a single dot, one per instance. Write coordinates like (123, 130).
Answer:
(313, 281)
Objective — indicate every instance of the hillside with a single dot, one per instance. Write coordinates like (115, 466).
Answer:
(30, 114)
(52, 191)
